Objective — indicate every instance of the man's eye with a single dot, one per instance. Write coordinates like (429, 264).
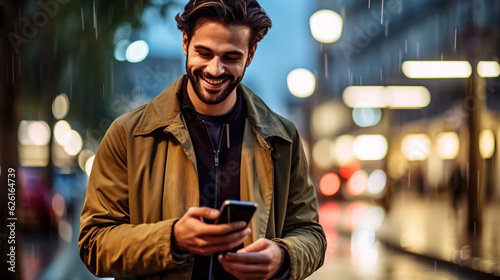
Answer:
(233, 58)
(204, 54)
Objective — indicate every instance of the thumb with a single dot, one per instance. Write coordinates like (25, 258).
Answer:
(203, 212)
(258, 246)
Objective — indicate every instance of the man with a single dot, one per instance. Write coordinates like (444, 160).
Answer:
(163, 170)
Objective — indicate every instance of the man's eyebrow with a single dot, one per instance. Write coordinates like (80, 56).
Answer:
(233, 52)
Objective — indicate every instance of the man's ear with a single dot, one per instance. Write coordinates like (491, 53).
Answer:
(251, 53)
(185, 43)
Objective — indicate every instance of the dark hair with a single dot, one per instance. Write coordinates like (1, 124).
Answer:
(238, 12)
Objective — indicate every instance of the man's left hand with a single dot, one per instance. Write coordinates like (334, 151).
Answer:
(260, 260)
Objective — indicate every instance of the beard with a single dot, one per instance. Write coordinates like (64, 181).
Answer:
(211, 96)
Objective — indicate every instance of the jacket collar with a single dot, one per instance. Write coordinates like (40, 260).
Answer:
(165, 108)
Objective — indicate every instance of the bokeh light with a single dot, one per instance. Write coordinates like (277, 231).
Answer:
(377, 182)
(329, 184)
(416, 147)
(62, 132)
(88, 165)
(325, 121)
(34, 133)
(74, 144)
(343, 149)
(137, 51)
(358, 183)
(83, 158)
(486, 143)
(365, 117)
(329, 214)
(448, 145)
(301, 82)
(321, 153)
(488, 69)
(436, 69)
(326, 26)
(60, 106)
(121, 50)
(347, 169)
(370, 147)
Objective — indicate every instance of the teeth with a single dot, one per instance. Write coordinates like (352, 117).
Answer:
(214, 82)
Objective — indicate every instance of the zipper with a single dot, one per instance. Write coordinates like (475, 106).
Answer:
(216, 163)
(216, 154)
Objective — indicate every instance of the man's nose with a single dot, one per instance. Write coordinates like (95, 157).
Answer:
(215, 67)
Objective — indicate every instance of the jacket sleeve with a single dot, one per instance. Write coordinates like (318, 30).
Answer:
(303, 237)
(109, 244)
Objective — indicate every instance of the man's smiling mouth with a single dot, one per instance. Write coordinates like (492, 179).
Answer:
(214, 82)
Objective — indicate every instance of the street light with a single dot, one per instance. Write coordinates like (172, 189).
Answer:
(326, 26)
(301, 82)
(394, 97)
(436, 69)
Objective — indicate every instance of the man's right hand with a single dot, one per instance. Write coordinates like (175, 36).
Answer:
(194, 236)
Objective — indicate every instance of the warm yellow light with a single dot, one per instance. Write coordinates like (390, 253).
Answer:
(321, 153)
(436, 69)
(488, 69)
(343, 149)
(62, 132)
(325, 121)
(364, 97)
(448, 145)
(34, 133)
(486, 143)
(416, 147)
(83, 156)
(88, 165)
(326, 26)
(407, 97)
(370, 147)
(74, 144)
(60, 106)
(396, 97)
(301, 82)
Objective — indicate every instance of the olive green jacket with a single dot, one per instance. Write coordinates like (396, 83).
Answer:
(144, 178)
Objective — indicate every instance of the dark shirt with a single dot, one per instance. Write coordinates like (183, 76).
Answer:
(217, 142)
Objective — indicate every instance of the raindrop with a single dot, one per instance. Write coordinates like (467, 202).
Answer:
(382, 13)
(369, 4)
(455, 43)
(83, 23)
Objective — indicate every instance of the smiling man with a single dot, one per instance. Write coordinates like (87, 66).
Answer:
(163, 170)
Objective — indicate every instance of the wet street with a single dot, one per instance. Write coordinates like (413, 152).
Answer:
(359, 246)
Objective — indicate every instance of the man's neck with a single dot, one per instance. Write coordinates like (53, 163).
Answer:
(211, 109)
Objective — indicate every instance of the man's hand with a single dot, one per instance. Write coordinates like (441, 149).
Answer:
(193, 235)
(260, 260)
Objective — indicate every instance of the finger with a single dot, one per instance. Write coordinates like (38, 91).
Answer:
(203, 212)
(221, 244)
(243, 270)
(232, 237)
(247, 258)
(260, 245)
(223, 229)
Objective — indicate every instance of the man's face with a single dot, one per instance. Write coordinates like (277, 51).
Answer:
(217, 56)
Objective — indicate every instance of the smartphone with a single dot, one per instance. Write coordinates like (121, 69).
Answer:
(236, 210)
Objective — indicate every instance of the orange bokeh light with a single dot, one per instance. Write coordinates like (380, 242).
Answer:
(358, 182)
(329, 214)
(329, 184)
(347, 170)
